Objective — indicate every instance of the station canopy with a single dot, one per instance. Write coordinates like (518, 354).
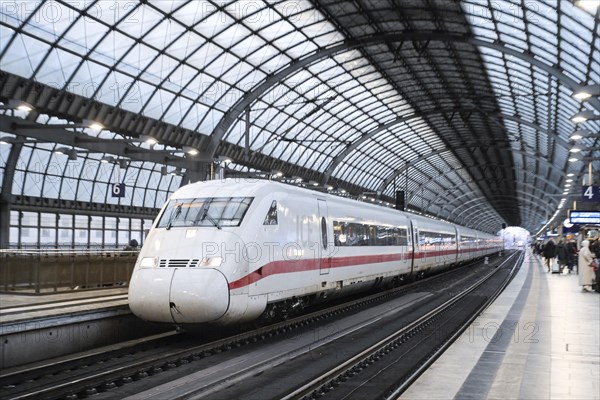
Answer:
(464, 106)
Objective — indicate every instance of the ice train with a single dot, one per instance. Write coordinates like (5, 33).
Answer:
(229, 251)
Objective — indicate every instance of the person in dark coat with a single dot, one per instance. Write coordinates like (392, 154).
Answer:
(571, 247)
(562, 253)
(549, 253)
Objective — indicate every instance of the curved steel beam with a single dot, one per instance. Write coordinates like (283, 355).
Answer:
(412, 163)
(340, 157)
(272, 79)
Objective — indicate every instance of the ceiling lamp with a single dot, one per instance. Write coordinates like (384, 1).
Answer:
(579, 134)
(107, 159)
(222, 160)
(19, 105)
(88, 123)
(584, 116)
(573, 159)
(588, 5)
(148, 140)
(192, 151)
(575, 150)
(586, 92)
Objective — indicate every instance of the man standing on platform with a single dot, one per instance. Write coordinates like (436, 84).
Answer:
(549, 253)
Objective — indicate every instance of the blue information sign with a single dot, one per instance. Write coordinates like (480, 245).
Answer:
(584, 217)
(118, 190)
(591, 193)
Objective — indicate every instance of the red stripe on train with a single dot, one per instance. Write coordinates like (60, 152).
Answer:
(288, 266)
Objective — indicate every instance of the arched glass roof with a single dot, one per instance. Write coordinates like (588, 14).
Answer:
(454, 103)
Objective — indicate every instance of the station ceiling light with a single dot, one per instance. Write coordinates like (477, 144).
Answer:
(192, 151)
(88, 123)
(148, 140)
(581, 133)
(584, 116)
(18, 105)
(586, 92)
(588, 5)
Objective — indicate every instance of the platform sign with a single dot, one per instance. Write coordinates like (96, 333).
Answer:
(118, 190)
(584, 217)
(590, 193)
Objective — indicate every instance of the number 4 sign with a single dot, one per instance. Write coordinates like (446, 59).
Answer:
(591, 193)
(118, 190)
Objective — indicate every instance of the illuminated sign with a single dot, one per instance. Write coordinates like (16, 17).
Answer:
(584, 217)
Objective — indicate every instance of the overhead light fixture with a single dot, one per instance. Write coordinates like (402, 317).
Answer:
(569, 180)
(176, 171)
(61, 150)
(571, 174)
(72, 154)
(584, 116)
(573, 159)
(6, 140)
(123, 163)
(192, 151)
(313, 183)
(88, 123)
(588, 5)
(575, 150)
(19, 105)
(163, 170)
(329, 187)
(586, 92)
(107, 159)
(223, 160)
(580, 133)
(148, 140)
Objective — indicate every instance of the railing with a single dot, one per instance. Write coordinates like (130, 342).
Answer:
(50, 270)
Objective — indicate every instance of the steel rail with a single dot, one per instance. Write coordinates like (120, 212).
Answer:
(364, 357)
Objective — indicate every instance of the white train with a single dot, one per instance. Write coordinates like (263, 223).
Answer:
(230, 251)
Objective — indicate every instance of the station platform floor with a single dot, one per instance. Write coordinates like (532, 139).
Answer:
(17, 307)
(539, 340)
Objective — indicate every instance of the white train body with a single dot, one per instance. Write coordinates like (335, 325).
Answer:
(225, 251)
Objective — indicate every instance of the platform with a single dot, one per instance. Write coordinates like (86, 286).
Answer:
(24, 307)
(539, 340)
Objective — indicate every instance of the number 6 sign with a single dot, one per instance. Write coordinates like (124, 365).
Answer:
(118, 190)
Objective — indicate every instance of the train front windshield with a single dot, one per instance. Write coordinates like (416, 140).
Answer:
(209, 211)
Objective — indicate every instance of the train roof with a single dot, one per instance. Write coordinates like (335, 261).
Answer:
(248, 187)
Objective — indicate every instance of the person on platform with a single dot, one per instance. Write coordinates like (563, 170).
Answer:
(549, 253)
(585, 267)
(571, 247)
(562, 254)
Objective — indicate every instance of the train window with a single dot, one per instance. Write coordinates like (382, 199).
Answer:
(435, 238)
(324, 232)
(211, 211)
(355, 234)
(271, 217)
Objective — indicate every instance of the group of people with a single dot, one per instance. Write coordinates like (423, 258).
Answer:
(567, 256)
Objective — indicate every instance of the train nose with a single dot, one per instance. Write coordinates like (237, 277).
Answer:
(179, 295)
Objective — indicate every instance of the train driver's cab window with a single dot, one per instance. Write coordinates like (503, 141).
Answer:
(271, 218)
(208, 212)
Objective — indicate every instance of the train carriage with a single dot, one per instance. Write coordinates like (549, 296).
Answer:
(230, 251)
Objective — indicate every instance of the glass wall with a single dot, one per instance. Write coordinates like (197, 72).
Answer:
(67, 231)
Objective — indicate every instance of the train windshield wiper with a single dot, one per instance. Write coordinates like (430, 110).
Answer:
(174, 215)
(211, 219)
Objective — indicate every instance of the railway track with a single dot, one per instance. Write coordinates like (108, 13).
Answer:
(209, 368)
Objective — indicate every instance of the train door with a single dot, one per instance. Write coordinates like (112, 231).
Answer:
(414, 243)
(323, 254)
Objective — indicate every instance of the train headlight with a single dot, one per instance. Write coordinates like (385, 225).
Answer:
(211, 262)
(148, 262)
